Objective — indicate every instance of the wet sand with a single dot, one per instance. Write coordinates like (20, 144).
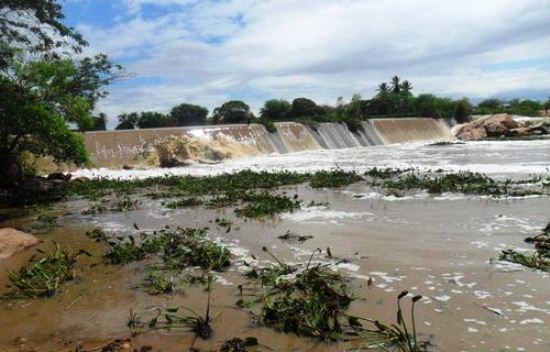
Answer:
(437, 247)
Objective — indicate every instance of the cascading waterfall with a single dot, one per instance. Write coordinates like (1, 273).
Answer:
(117, 148)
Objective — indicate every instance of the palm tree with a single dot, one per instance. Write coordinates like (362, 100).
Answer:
(395, 84)
(406, 86)
(383, 88)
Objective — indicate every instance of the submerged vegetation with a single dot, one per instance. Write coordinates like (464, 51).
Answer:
(178, 249)
(45, 274)
(537, 259)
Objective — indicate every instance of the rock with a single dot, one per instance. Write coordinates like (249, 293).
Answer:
(13, 241)
(471, 133)
(492, 126)
(59, 176)
(127, 167)
(496, 129)
(520, 131)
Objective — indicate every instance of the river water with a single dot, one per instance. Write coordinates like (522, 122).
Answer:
(495, 158)
(437, 246)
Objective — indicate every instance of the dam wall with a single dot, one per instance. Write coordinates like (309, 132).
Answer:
(114, 149)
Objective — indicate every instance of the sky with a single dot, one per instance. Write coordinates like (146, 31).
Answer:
(210, 51)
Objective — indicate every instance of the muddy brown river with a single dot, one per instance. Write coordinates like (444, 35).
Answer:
(440, 247)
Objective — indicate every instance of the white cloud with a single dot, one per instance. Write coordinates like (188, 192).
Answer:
(208, 51)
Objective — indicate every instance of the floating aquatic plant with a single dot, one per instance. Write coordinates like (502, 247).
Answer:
(45, 273)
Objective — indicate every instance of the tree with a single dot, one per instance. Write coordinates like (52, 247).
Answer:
(99, 123)
(151, 119)
(189, 115)
(234, 111)
(524, 107)
(383, 89)
(406, 87)
(39, 99)
(275, 109)
(304, 107)
(489, 106)
(462, 110)
(428, 105)
(37, 26)
(547, 107)
(395, 85)
(127, 121)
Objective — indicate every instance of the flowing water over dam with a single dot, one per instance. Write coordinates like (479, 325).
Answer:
(117, 148)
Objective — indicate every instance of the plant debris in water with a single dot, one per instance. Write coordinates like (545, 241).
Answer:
(171, 320)
(178, 249)
(538, 259)
(45, 274)
(293, 237)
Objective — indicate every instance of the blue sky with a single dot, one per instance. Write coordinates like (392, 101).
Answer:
(209, 51)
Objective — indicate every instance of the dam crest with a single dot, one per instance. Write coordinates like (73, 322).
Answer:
(113, 149)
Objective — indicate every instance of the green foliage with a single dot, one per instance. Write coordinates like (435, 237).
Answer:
(269, 124)
(45, 275)
(39, 99)
(99, 123)
(37, 26)
(304, 107)
(265, 204)
(152, 119)
(127, 121)
(276, 110)
(189, 115)
(333, 178)
(234, 111)
(539, 259)
(462, 110)
(515, 107)
(158, 281)
(178, 249)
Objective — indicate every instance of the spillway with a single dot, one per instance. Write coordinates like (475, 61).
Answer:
(116, 148)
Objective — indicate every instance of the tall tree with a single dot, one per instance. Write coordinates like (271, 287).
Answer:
(275, 109)
(189, 115)
(38, 100)
(127, 121)
(234, 111)
(395, 85)
(406, 87)
(383, 88)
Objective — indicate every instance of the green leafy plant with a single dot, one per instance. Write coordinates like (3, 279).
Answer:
(45, 273)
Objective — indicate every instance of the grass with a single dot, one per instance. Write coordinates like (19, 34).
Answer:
(45, 274)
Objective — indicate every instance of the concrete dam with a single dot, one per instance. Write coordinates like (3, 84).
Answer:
(113, 149)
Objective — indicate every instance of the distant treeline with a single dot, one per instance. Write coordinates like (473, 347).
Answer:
(393, 99)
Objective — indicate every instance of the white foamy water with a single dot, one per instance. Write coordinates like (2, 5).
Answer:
(495, 158)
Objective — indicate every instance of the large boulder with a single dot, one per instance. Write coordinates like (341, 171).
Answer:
(492, 126)
(13, 241)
